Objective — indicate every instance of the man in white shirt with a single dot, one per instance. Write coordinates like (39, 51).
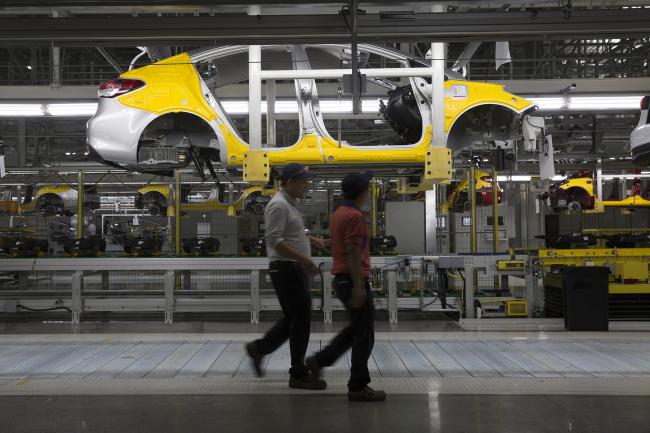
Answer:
(289, 251)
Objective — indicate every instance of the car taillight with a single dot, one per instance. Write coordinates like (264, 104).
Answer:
(120, 86)
(645, 102)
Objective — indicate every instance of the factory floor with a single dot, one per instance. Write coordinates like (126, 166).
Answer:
(476, 376)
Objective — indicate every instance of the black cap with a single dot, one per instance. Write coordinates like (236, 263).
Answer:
(295, 171)
(354, 184)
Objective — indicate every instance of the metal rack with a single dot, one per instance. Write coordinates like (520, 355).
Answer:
(98, 284)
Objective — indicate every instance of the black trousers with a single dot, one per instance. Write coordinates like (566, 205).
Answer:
(359, 335)
(291, 285)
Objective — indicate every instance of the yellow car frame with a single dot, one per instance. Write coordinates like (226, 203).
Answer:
(58, 199)
(576, 193)
(455, 201)
(161, 195)
(172, 90)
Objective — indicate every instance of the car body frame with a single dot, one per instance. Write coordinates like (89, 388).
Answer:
(172, 93)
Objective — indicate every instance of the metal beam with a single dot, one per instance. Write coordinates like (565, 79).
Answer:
(111, 61)
(174, 5)
(223, 28)
(584, 87)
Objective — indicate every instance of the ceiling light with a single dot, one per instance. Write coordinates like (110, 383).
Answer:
(20, 110)
(604, 102)
(548, 103)
(72, 109)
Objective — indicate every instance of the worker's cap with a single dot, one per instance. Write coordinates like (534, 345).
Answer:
(354, 184)
(295, 171)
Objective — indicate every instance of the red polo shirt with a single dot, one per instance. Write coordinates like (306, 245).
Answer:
(348, 227)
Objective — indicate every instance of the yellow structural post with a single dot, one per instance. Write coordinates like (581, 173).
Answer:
(495, 210)
(471, 191)
(373, 207)
(80, 205)
(177, 213)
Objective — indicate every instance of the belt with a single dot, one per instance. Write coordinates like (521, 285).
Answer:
(282, 262)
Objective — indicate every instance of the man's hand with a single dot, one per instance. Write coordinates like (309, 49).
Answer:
(320, 243)
(358, 298)
(308, 266)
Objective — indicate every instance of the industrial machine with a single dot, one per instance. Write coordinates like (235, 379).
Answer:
(629, 287)
(201, 246)
(87, 246)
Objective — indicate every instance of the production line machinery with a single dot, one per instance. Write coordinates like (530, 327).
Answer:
(204, 285)
(629, 285)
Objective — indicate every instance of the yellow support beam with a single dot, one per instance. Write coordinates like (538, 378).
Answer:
(628, 289)
(593, 256)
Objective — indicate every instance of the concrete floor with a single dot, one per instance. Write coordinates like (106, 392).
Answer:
(328, 413)
(482, 377)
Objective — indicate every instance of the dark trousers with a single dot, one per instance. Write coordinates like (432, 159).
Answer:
(359, 335)
(291, 285)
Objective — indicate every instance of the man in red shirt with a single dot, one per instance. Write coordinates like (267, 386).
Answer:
(350, 245)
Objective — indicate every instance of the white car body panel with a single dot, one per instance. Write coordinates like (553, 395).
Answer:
(115, 130)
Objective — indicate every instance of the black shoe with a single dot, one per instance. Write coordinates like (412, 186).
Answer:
(307, 382)
(256, 358)
(366, 394)
(314, 368)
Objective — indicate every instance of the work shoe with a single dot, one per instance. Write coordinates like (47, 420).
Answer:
(366, 394)
(307, 382)
(314, 368)
(256, 358)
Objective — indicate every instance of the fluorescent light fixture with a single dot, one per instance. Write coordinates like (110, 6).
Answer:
(21, 110)
(558, 177)
(514, 178)
(547, 103)
(72, 109)
(327, 106)
(595, 102)
(604, 102)
(625, 176)
(235, 107)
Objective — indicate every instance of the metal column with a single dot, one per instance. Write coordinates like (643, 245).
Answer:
(170, 283)
(254, 97)
(255, 297)
(327, 296)
(22, 146)
(77, 283)
(356, 82)
(431, 221)
(56, 66)
(471, 191)
(177, 214)
(80, 205)
(438, 89)
(495, 229)
(470, 277)
(391, 281)
(270, 113)
(495, 212)
(373, 207)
